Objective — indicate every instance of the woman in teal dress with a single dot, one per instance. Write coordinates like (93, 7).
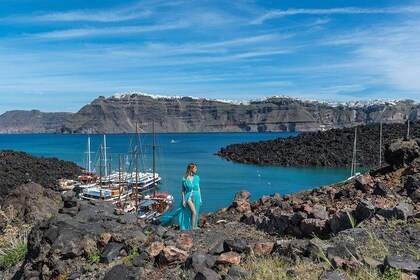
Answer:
(187, 215)
(191, 199)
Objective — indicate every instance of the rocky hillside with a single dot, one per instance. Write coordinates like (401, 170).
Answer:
(17, 168)
(32, 121)
(328, 148)
(120, 113)
(367, 228)
(186, 114)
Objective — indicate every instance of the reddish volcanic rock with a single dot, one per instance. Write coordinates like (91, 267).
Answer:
(184, 241)
(229, 258)
(172, 254)
(261, 248)
(155, 248)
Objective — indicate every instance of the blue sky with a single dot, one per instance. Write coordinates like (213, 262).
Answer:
(60, 55)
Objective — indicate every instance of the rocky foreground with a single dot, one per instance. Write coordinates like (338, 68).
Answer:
(329, 148)
(366, 228)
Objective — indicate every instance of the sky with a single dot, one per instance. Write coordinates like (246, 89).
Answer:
(61, 55)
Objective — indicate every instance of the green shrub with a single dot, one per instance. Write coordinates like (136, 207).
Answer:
(14, 250)
(94, 257)
(392, 274)
(128, 260)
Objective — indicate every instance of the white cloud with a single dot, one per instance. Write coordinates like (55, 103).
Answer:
(108, 31)
(390, 51)
(350, 10)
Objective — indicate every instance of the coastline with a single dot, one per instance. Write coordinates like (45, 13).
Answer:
(325, 224)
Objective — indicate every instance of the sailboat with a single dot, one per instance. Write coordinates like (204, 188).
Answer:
(88, 175)
(104, 189)
(353, 173)
(155, 205)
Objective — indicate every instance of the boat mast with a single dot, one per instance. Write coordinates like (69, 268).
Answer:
(408, 129)
(105, 162)
(380, 143)
(353, 162)
(154, 159)
(119, 177)
(89, 160)
(137, 168)
(100, 171)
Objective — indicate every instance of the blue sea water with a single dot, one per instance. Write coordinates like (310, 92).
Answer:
(220, 179)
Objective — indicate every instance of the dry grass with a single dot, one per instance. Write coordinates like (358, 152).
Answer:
(272, 268)
(375, 247)
(13, 243)
(13, 246)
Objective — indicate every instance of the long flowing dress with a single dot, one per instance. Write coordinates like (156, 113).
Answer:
(182, 215)
(191, 192)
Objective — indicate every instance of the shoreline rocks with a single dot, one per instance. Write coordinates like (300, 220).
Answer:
(332, 148)
(18, 168)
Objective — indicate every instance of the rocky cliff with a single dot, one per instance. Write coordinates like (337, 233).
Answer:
(185, 114)
(120, 113)
(34, 121)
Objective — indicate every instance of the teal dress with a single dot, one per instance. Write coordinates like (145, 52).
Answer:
(191, 191)
(182, 215)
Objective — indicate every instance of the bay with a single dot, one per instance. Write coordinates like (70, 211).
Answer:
(220, 179)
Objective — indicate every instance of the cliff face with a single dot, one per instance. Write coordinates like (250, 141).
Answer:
(186, 114)
(34, 121)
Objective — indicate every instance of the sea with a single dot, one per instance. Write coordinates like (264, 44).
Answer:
(220, 179)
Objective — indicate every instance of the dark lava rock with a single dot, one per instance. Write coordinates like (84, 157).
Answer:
(380, 189)
(200, 261)
(298, 217)
(121, 272)
(237, 272)
(344, 250)
(329, 148)
(218, 248)
(140, 259)
(364, 210)
(292, 248)
(18, 168)
(401, 153)
(69, 201)
(340, 221)
(387, 213)
(313, 227)
(403, 263)
(31, 202)
(235, 245)
(333, 275)
(403, 210)
(207, 274)
(112, 251)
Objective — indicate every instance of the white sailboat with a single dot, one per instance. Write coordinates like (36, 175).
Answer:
(353, 173)
(155, 205)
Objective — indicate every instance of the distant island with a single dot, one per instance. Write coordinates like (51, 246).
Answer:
(119, 114)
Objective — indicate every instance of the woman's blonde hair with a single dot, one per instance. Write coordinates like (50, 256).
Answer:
(190, 167)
